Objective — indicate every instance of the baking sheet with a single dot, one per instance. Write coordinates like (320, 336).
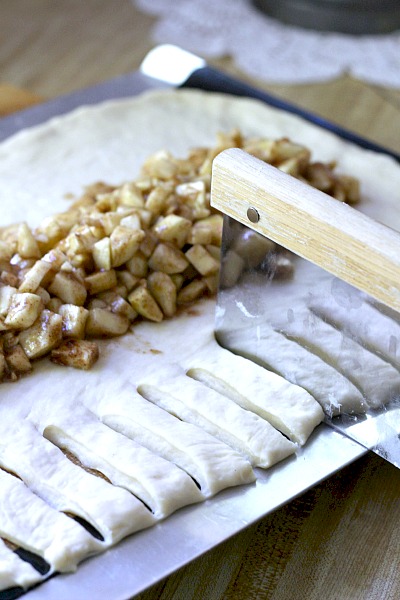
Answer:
(140, 561)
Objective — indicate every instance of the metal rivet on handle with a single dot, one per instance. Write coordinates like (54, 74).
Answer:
(252, 214)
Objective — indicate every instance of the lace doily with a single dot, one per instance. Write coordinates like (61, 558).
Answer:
(269, 50)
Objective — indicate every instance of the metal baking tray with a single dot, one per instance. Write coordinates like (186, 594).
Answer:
(145, 558)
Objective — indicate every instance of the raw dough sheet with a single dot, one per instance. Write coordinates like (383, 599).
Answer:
(109, 142)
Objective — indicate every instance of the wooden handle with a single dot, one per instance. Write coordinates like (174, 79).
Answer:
(308, 222)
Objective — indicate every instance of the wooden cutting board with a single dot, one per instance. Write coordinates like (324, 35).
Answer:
(13, 98)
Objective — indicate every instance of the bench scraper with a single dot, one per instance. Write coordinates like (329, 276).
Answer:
(310, 289)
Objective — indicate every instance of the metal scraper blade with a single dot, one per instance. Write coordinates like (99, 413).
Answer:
(303, 322)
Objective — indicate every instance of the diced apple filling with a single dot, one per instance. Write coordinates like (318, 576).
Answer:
(128, 252)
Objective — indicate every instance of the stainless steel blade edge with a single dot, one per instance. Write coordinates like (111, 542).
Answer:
(315, 330)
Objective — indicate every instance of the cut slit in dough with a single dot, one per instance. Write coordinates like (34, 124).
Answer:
(241, 429)
(334, 392)
(211, 463)
(288, 407)
(377, 379)
(112, 511)
(158, 483)
(15, 572)
(366, 324)
(62, 543)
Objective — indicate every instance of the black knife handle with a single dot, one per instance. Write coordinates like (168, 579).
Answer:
(213, 80)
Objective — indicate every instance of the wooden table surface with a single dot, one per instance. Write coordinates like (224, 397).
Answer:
(340, 540)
